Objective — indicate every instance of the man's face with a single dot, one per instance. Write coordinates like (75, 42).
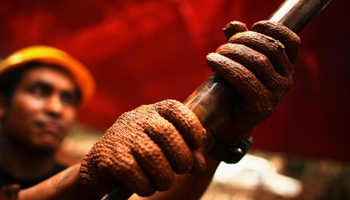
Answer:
(42, 108)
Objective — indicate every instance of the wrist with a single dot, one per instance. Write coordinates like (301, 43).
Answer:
(221, 151)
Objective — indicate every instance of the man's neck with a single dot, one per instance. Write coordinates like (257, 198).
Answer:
(25, 163)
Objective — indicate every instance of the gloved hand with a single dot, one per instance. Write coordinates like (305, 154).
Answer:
(259, 65)
(144, 148)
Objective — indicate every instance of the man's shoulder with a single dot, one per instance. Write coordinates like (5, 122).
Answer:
(7, 179)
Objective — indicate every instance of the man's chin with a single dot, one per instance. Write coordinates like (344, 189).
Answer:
(46, 147)
(48, 143)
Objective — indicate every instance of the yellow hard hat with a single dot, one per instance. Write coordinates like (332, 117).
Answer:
(51, 55)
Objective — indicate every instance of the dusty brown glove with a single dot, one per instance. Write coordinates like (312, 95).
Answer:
(259, 64)
(144, 148)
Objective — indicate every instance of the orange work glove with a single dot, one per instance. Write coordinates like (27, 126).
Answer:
(144, 148)
(259, 65)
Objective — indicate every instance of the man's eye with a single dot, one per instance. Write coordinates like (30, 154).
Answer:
(39, 91)
(69, 99)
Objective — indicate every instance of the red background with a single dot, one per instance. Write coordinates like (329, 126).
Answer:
(141, 52)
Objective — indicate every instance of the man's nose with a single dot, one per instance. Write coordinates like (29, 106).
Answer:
(54, 106)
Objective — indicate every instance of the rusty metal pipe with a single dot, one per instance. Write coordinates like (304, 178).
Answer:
(297, 14)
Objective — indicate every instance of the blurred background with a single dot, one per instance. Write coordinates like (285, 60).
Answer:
(143, 51)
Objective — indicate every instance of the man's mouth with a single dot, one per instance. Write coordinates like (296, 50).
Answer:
(51, 127)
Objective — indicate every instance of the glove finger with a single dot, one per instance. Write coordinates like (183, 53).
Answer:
(250, 88)
(167, 137)
(118, 161)
(233, 28)
(273, 49)
(185, 121)
(154, 163)
(254, 61)
(276, 30)
(199, 164)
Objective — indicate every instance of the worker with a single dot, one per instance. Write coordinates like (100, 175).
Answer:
(41, 90)
(157, 147)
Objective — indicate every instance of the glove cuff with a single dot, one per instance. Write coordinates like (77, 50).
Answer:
(227, 153)
(10, 192)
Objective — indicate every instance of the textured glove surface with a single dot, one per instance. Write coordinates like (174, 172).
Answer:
(144, 148)
(259, 65)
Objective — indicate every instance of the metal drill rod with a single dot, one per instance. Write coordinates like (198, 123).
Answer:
(211, 100)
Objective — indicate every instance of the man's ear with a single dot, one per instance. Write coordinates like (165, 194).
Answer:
(2, 105)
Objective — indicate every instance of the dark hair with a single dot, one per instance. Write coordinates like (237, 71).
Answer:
(10, 79)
